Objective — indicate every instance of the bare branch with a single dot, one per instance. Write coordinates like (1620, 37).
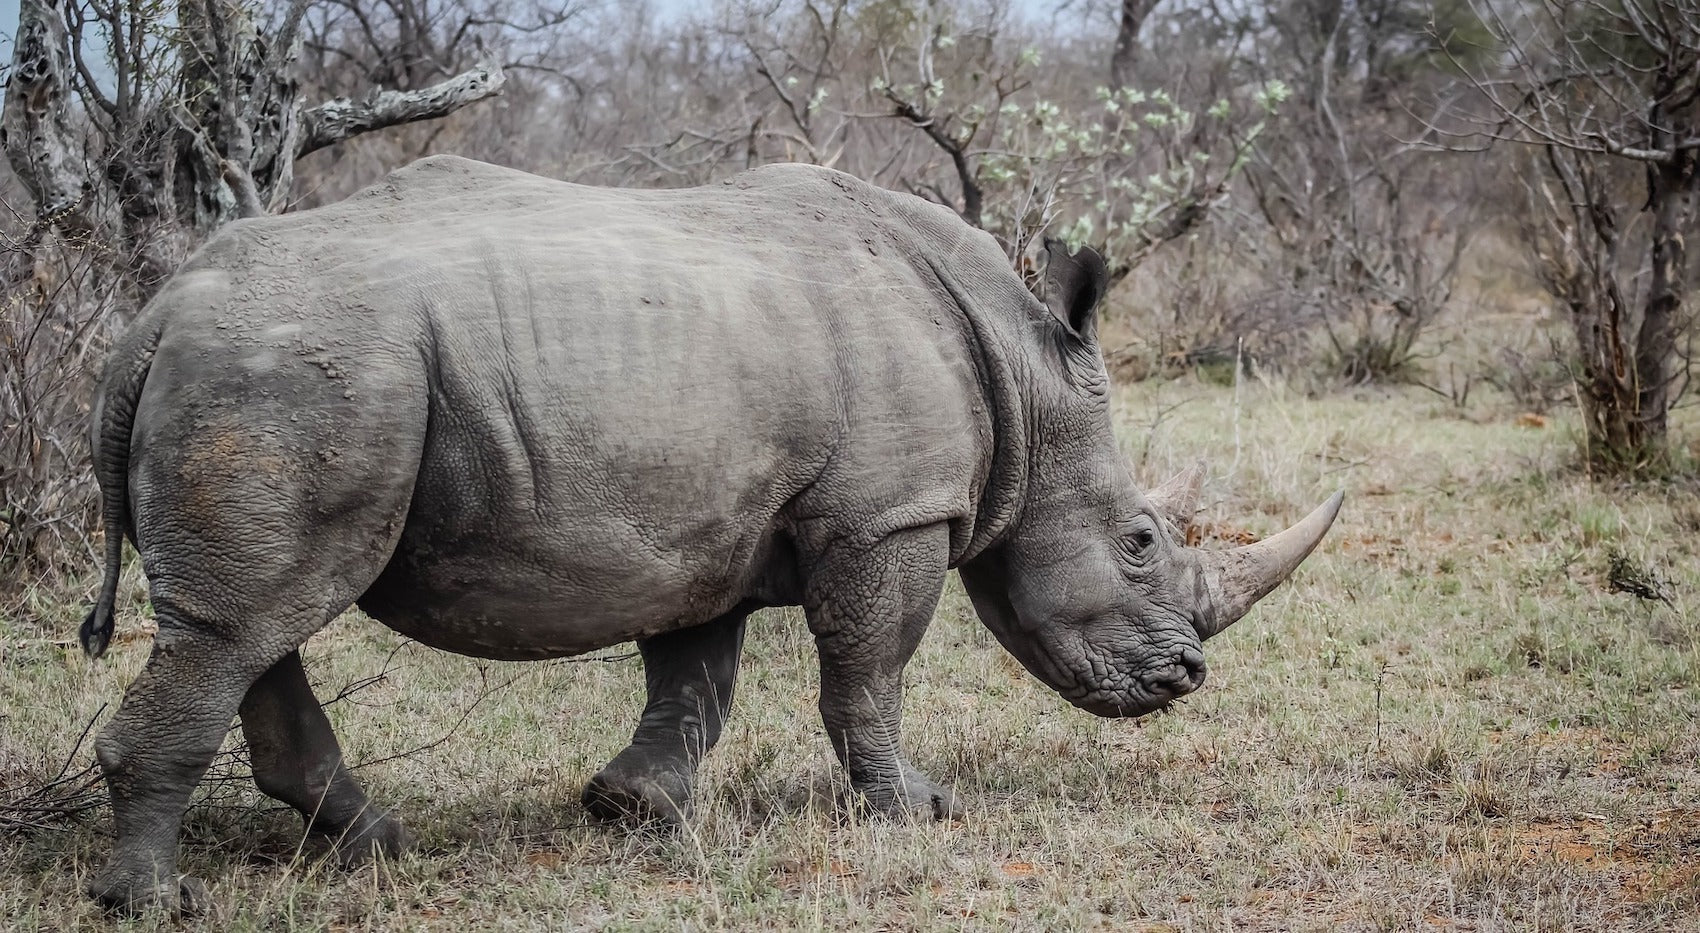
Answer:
(971, 208)
(1133, 16)
(285, 43)
(336, 120)
(89, 89)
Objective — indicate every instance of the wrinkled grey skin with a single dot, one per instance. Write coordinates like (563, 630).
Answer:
(515, 418)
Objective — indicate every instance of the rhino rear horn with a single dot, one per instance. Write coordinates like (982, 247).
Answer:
(1238, 578)
(1177, 499)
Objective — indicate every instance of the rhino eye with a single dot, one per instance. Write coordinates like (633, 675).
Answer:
(1138, 542)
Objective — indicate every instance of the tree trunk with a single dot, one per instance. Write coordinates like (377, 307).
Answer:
(1656, 341)
(1126, 55)
(1670, 198)
(237, 122)
(35, 129)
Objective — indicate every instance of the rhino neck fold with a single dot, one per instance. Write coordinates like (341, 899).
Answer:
(990, 340)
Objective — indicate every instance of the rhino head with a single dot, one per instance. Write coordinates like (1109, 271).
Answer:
(1091, 587)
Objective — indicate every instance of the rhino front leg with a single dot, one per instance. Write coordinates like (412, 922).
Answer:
(868, 608)
(689, 675)
(296, 759)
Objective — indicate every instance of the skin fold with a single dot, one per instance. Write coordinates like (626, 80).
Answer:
(515, 418)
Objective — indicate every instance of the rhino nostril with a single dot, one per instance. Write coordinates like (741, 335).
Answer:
(1183, 673)
(1193, 660)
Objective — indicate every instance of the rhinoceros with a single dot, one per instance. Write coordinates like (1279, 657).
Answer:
(516, 418)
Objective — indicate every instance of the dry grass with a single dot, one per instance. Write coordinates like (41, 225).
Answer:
(1448, 721)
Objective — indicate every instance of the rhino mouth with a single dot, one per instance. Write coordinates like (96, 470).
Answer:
(1130, 704)
(1124, 705)
(1090, 677)
(1116, 695)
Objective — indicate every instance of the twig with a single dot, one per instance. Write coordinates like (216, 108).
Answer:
(53, 804)
(1380, 679)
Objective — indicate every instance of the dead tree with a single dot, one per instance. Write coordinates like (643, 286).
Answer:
(1606, 93)
(196, 127)
(1362, 235)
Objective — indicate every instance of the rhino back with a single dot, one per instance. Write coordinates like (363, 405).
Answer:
(640, 404)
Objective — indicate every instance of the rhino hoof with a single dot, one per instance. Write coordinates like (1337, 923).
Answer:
(381, 836)
(617, 795)
(121, 895)
(940, 805)
(916, 798)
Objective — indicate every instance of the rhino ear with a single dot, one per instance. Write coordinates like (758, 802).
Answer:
(1074, 283)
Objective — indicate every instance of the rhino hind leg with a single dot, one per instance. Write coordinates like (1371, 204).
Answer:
(153, 753)
(868, 608)
(254, 539)
(689, 675)
(174, 718)
(296, 759)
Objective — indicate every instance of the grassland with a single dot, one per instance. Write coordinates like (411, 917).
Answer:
(1448, 721)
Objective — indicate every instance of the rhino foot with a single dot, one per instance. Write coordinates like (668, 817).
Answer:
(913, 797)
(626, 791)
(378, 835)
(123, 893)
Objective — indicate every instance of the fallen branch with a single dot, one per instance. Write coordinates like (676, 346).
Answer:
(485, 691)
(61, 799)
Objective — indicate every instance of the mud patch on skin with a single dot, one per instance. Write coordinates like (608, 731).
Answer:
(224, 451)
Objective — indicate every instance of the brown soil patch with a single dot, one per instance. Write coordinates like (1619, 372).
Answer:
(1575, 843)
(1654, 856)
(544, 858)
(1651, 857)
(1662, 882)
(1380, 548)
(1019, 870)
(1607, 751)
(794, 873)
(1199, 532)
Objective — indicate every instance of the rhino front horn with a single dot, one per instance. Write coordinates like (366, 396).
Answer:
(1239, 578)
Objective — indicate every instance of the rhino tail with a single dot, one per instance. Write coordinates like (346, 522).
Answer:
(96, 631)
(109, 442)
